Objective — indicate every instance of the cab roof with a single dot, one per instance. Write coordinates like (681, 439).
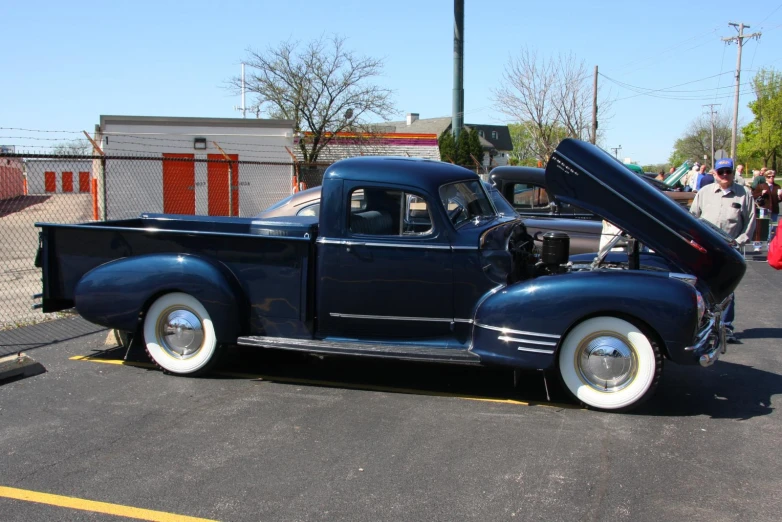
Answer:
(414, 172)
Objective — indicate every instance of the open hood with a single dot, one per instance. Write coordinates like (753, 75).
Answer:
(584, 175)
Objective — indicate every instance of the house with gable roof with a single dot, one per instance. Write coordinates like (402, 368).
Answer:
(495, 139)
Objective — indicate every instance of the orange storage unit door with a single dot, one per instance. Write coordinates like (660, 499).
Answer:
(178, 184)
(50, 181)
(67, 181)
(84, 181)
(217, 181)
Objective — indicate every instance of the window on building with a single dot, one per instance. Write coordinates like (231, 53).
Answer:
(494, 135)
(480, 133)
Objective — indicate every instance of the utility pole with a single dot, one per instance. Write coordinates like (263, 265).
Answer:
(457, 116)
(594, 109)
(713, 112)
(616, 151)
(739, 39)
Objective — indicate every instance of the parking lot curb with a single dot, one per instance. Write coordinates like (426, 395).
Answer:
(19, 366)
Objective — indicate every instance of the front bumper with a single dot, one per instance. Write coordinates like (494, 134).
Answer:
(709, 342)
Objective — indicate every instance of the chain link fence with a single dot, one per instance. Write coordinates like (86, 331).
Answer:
(76, 189)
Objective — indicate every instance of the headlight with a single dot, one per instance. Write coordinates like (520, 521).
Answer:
(701, 305)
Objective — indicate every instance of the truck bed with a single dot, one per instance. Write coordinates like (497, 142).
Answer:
(271, 259)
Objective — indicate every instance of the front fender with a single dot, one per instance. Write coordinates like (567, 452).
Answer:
(524, 324)
(115, 293)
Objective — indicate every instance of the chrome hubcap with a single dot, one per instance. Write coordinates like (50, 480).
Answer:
(180, 333)
(606, 363)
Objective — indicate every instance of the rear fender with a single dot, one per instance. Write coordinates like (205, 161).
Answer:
(525, 324)
(116, 293)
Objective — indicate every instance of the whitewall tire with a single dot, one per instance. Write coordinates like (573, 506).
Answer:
(608, 363)
(179, 335)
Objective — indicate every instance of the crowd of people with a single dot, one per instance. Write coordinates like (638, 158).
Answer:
(766, 193)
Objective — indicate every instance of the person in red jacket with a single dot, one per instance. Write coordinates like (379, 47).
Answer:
(775, 252)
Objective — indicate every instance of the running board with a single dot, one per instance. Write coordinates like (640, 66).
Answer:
(389, 351)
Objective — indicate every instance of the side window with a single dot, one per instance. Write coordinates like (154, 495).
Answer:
(418, 220)
(383, 212)
(526, 195)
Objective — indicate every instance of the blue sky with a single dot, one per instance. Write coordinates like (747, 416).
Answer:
(66, 63)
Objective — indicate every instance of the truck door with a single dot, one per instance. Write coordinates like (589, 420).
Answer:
(394, 275)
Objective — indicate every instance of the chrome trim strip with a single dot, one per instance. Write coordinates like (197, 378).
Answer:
(534, 350)
(468, 321)
(403, 245)
(513, 339)
(348, 242)
(393, 318)
(468, 248)
(478, 307)
(610, 189)
(518, 332)
(327, 241)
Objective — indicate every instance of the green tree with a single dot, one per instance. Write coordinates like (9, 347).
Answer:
(523, 145)
(463, 149)
(322, 86)
(696, 142)
(763, 136)
(476, 149)
(447, 146)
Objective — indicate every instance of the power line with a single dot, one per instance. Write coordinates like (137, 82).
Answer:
(739, 39)
(770, 15)
(669, 49)
(38, 130)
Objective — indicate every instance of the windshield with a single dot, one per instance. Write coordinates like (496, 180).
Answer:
(465, 201)
(500, 203)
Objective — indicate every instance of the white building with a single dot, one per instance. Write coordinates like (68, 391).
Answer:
(175, 176)
(58, 176)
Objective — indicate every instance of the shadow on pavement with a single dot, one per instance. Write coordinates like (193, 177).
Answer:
(724, 391)
(47, 333)
(760, 333)
(18, 203)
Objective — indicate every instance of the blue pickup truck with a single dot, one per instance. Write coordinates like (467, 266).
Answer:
(409, 259)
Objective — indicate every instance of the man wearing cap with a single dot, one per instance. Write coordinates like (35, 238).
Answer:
(730, 207)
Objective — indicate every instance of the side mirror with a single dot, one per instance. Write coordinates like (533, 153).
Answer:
(553, 207)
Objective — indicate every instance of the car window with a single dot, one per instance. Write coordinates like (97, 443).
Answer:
(384, 212)
(527, 195)
(465, 201)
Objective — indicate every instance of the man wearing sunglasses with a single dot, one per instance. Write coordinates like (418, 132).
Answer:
(731, 207)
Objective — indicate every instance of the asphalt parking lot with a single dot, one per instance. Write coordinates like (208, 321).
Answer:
(278, 436)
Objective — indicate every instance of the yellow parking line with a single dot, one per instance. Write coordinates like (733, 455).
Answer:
(333, 384)
(96, 507)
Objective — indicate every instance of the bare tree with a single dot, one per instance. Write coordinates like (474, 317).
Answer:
(551, 98)
(73, 148)
(322, 86)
